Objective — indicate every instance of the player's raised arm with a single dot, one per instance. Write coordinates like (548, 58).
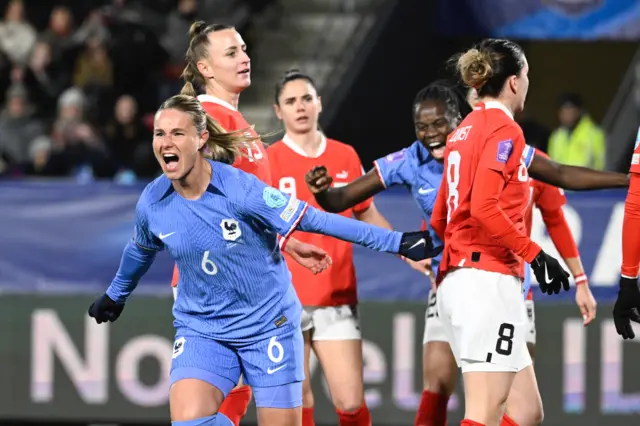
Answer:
(336, 200)
(138, 256)
(574, 178)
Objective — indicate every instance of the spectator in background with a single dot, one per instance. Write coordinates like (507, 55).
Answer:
(578, 141)
(175, 40)
(17, 36)
(45, 80)
(77, 148)
(39, 154)
(59, 34)
(18, 129)
(129, 141)
(94, 75)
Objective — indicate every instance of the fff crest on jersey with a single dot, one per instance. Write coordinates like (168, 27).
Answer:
(230, 229)
(274, 198)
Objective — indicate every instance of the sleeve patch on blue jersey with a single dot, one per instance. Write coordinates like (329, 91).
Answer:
(274, 198)
(288, 212)
(394, 156)
(504, 150)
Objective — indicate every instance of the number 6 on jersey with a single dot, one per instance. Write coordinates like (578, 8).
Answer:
(208, 266)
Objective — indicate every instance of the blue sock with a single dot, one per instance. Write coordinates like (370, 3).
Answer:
(217, 419)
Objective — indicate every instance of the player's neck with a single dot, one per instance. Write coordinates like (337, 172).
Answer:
(504, 102)
(218, 92)
(310, 142)
(196, 182)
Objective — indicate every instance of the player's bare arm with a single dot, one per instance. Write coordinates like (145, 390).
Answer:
(574, 177)
(336, 200)
(562, 238)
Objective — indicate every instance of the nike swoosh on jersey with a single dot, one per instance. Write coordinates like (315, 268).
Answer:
(273, 370)
(425, 191)
(163, 236)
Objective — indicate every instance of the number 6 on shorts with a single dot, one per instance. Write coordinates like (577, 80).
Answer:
(275, 351)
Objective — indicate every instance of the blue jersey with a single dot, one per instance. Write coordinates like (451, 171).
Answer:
(415, 168)
(234, 283)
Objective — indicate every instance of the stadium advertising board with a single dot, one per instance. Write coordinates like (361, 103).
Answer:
(64, 222)
(57, 365)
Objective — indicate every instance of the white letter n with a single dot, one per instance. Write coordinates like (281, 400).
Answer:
(49, 338)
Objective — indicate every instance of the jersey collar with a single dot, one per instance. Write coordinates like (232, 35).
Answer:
(295, 148)
(498, 105)
(213, 99)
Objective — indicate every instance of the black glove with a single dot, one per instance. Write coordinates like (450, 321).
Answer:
(550, 275)
(105, 310)
(627, 307)
(418, 246)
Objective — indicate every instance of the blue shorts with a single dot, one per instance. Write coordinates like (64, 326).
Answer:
(272, 366)
(527, 279)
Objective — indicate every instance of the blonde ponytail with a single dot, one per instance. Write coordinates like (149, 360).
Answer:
(226, 146)
(189, 75)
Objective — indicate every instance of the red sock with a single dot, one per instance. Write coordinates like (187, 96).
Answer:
(361, 417)
(432, 410)
(507, 421)
(307, 416)
(235, 404)
(467, 422)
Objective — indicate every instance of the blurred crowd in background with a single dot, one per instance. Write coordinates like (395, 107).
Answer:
(79, 83)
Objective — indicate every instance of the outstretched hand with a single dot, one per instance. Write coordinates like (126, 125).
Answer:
(311, 257)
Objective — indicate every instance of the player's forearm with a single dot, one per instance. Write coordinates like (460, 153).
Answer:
(575, 267)
(560, 234)
(631, 230)
(339, 199)
(350, 230)
(486, 210)
(134, 264)
(332, 200)
(574, 177)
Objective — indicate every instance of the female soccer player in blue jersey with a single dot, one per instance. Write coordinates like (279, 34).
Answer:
(236, 310)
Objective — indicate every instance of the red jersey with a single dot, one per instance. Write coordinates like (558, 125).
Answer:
(289, 164)
(254, 160)
(484, 195)
(546, 198)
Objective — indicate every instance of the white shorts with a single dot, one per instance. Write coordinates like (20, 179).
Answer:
(531, 317)
(331, 322)
(485, 320)
(433, 327)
